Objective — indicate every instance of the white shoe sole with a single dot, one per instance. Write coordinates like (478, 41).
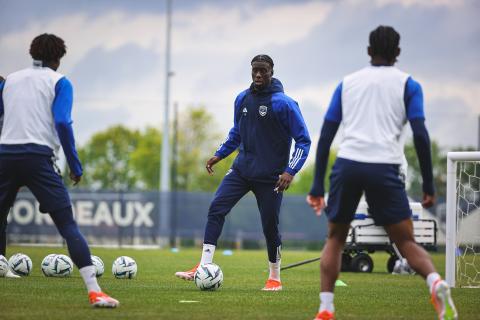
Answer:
(105, 304)
(184, 275)
(273, 289)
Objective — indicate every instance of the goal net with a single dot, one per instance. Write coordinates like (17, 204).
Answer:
(463, 219)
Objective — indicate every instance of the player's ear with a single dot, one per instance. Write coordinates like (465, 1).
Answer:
(369, 51)
(272, 71)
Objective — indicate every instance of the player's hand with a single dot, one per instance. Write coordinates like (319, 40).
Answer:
(317, 203)
(210, 163)
(283, 182)
(428, 200)
(75, 179)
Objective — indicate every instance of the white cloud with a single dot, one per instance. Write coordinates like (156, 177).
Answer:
(422, 3)
(82, 33)
(210, 29)
(243, 28)
(209, 32)
(467, 92)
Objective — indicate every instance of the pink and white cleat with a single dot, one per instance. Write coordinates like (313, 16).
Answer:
(187, 275)
(272, 285)
(442, 301)
(325, 315)
(102, 300)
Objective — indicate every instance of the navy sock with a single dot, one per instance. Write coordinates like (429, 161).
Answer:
(76, 243)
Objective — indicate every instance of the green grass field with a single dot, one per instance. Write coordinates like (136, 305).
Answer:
(156, 293)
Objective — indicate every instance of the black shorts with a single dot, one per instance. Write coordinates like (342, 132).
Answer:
(384, 189)
(38, 173)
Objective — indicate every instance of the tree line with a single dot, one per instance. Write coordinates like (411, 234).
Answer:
(123, 159)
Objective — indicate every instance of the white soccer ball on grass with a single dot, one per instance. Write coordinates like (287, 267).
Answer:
(57, 265)
(3, 266)
(208, 277)
(21, 264)
(99, 266)
(124, 268)
(46, 265)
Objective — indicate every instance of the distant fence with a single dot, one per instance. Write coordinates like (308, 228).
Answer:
(152, 218)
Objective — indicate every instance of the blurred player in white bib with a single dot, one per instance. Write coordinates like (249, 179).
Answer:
(36, 104)
(374, 104)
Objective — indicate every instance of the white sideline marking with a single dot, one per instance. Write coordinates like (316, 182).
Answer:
(188, 301)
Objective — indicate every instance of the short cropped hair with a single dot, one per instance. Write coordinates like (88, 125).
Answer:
(384, 41)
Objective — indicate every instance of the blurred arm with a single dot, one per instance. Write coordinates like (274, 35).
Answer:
(415, 114)
(62, 109)
(327, 134)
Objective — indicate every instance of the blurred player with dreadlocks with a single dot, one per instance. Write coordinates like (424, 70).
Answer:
(265, 121)
(36, 103)
(374, 105)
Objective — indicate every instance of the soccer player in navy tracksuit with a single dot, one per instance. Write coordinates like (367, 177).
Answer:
(374, 104)
(36, 103)
(265, 121)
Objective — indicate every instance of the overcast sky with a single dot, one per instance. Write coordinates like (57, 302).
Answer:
(116, 55)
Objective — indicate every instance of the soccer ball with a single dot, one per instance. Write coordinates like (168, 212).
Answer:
(47, 264)
(3, 266)
(20, 264)
(124, 268)
(57, 265)
(208, 277)
(99, 266)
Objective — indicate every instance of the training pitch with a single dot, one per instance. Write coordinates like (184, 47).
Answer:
(157, 294)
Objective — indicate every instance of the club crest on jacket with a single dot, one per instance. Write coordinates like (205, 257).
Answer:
(262, 110)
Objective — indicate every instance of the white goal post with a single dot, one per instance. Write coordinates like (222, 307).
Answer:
(454, 186)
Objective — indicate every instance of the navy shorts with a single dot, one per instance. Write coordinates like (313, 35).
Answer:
(36, 172)
(384, 189)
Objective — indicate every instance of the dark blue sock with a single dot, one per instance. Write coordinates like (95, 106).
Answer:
(77, 245)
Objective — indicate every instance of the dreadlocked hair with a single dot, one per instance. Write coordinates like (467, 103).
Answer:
(47, 48)
(384, 41)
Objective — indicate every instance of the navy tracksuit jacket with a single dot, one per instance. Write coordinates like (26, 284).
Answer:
(265, 122)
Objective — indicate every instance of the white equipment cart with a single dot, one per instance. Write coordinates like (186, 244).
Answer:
(364, 238)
